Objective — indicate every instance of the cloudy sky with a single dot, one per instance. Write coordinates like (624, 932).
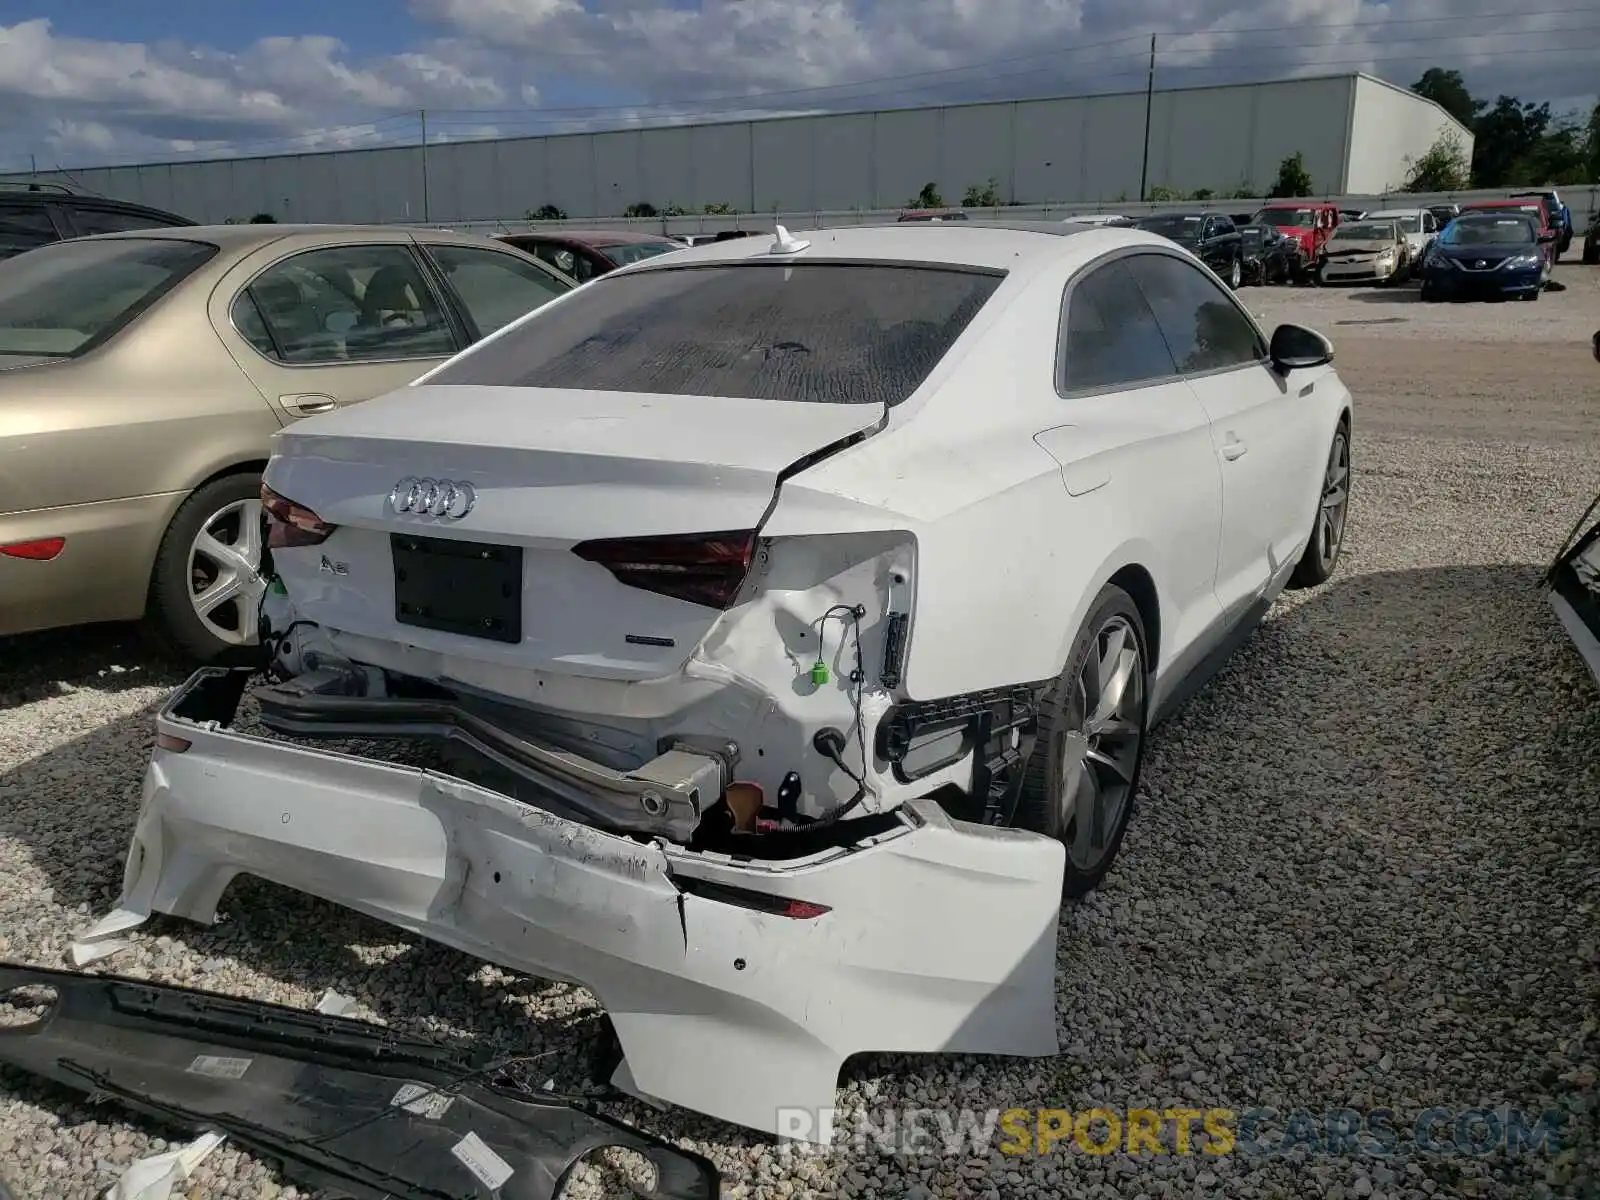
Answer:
(85, 82)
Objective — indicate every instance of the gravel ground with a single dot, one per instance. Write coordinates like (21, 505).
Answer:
(1363, 873)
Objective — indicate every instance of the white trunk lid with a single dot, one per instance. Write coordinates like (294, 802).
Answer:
(550, 468)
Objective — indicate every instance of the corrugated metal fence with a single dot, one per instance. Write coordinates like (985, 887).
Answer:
(1582, 202)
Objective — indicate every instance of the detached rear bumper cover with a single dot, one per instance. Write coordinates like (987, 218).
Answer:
(337, 1104)
(937, 935)
(1574, 582)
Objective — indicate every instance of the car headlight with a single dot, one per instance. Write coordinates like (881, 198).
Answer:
(1386, 256)
(1521, 261)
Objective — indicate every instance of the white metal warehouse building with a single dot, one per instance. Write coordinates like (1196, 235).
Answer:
(1357, 134)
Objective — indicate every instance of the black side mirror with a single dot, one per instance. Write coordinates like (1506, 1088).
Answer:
(1597, 345)
(1294, 348)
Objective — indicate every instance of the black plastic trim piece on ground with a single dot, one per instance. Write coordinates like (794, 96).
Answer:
(323, 1094)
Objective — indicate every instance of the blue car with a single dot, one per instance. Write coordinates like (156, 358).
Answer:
(1484, 255)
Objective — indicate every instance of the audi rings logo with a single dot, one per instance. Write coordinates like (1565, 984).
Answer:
(448, 499)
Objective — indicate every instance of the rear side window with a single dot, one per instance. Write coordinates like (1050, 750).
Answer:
(24, 227)
(819, 333)
(68, 298)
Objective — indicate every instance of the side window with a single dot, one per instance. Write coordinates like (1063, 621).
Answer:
(89, 221)
(1429, 225)
(1202, 324)
(247, 320)
(24, 227)
(365, 303)
(496, 288)
(1110, 337)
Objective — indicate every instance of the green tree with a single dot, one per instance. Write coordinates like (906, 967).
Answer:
(1245, 191)
(982, 195)
(546, 212)
(1293, 178)
(928, 197)
(674, 210)
(1444, 168)
(1449, 91)
(1160, 193)
(718, 210)
(263, 218)
(1505, 135)
(640, 209)
(1202, 194)
(1591, 139)
(1560, 157)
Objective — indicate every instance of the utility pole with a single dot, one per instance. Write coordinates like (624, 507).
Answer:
(1149, 100)
(422, 116)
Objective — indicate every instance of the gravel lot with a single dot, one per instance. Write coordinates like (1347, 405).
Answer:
(1363, 873)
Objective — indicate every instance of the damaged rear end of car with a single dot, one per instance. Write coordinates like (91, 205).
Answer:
(1572, 582)
(645, 689)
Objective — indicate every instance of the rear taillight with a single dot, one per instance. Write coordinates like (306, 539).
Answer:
(702, 568)
(37, 550)
(291, 524)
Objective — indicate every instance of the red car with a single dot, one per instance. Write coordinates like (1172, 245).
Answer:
(586, 253)
(1307, 221)
(1531, 207)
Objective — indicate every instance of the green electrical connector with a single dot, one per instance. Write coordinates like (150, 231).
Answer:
(819, 672)
(276, 587)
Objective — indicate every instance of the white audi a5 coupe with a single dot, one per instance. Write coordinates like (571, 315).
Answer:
(788, 616)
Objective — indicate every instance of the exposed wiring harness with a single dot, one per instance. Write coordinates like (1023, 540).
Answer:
(834, 748)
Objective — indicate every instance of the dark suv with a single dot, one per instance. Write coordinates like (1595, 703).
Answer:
(36, 214)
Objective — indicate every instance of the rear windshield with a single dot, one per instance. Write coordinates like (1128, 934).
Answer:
(1176, 228)
(1299, 218)
(623, 253)
(66, 299)
(820, 333)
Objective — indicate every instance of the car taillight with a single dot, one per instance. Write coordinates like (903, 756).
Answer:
(702, 568)
(291, 524)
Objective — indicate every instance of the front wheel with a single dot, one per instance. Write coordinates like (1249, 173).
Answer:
(206, 591)
(1084, 773)
(1327, 530)
(1235, 275)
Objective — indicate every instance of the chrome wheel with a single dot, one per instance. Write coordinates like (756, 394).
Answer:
(1101, 743)
(225, 583)
(1235, 276)
(1335, 501)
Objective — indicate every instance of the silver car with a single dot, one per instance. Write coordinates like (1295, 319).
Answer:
(142, 376)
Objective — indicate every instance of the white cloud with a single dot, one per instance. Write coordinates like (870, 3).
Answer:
(488, 63)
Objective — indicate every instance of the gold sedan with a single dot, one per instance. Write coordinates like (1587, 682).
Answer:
(142, 376)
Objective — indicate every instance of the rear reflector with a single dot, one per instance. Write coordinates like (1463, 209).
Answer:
(38, 550)
(291, 524)
(169, 741)
(702, 568)
(776, 906)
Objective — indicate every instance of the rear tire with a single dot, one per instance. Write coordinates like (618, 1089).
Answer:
(1082, 778)
(191, 560)
(1235, 275)
(1321, 555)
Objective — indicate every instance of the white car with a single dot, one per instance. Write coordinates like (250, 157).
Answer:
(797, 609)
(1417, 225)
